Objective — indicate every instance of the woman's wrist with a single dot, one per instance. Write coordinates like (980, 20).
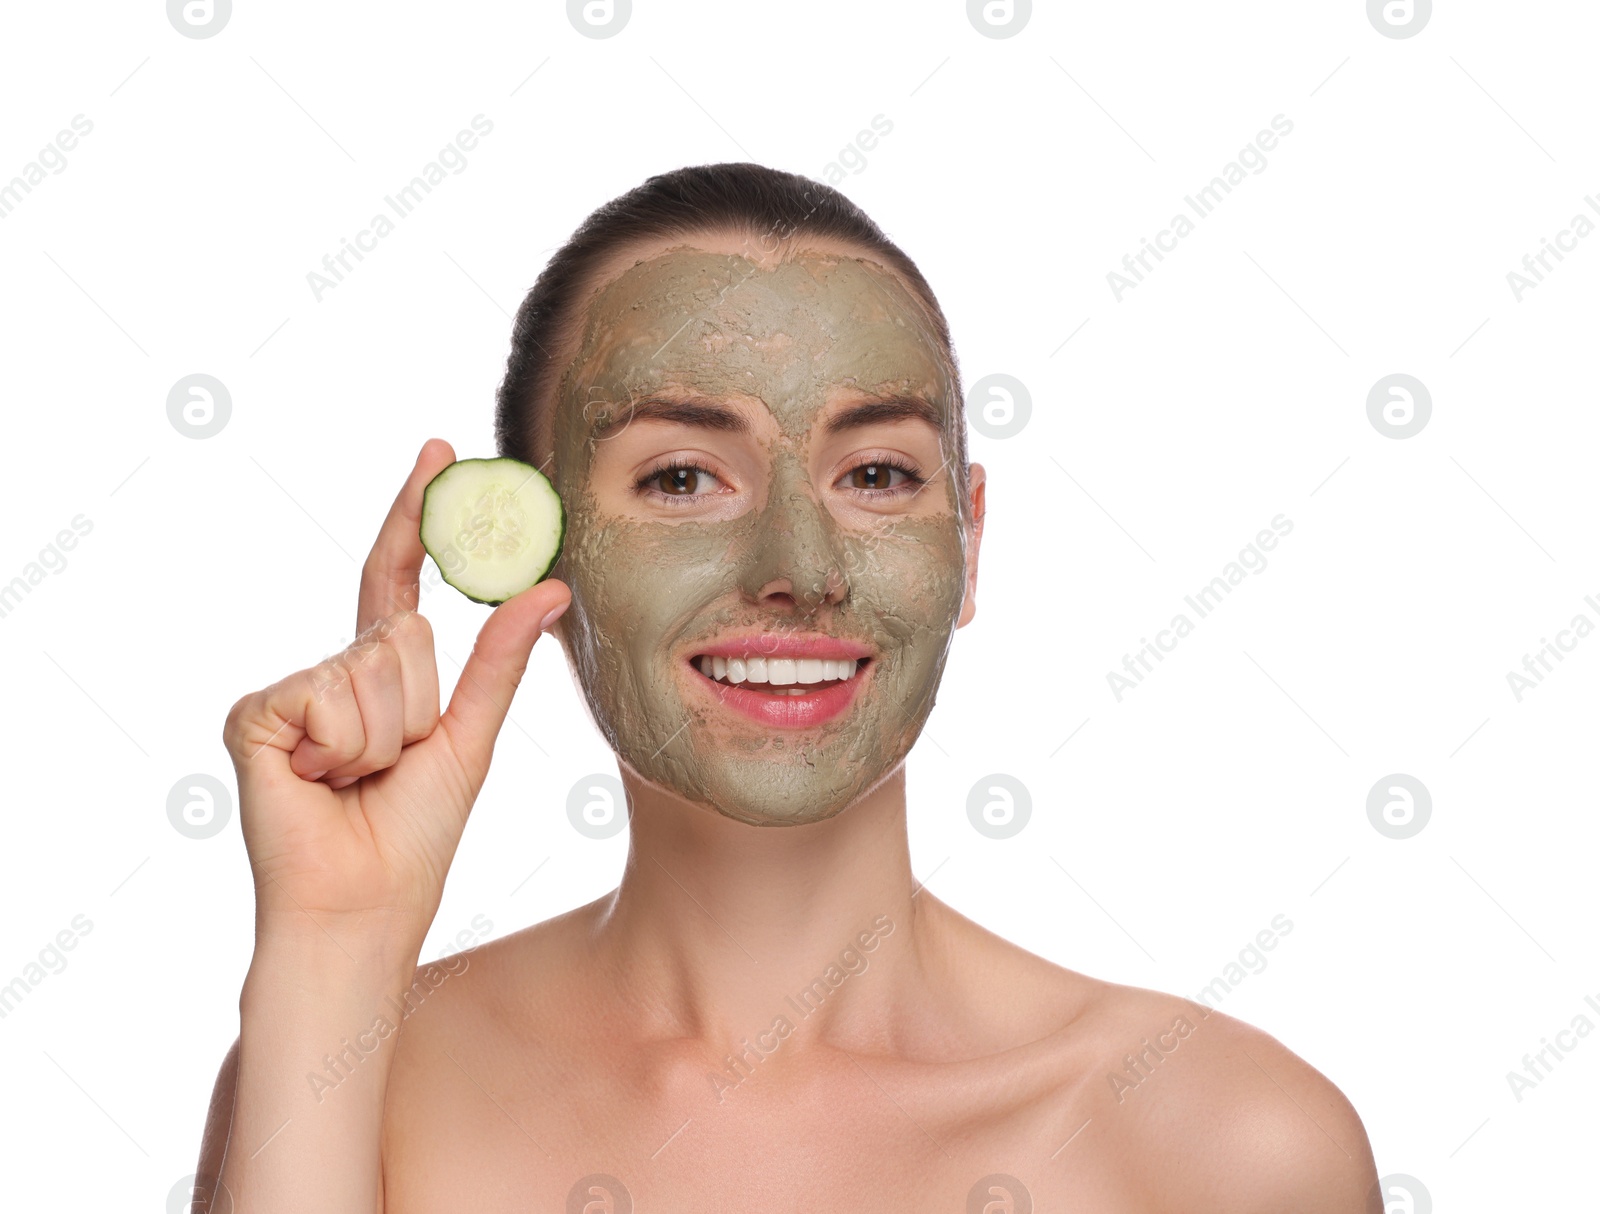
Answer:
(296, 944)
(325, 970)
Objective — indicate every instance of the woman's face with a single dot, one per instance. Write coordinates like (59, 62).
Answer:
(724, 485)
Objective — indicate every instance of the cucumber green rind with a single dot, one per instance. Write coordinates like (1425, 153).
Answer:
(553, 500)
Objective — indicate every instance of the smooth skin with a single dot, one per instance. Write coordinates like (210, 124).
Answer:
(587, 1044)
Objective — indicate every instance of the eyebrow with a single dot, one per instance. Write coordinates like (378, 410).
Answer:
(710, 414)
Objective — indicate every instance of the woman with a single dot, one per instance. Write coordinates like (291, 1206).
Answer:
(749, 402)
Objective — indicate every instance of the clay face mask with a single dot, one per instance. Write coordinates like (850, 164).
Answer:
(784, 343)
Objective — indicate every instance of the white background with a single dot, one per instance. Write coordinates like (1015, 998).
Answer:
(1227, 388)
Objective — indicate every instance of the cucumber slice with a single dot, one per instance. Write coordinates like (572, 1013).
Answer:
(493, 526)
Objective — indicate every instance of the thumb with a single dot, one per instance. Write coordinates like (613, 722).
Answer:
(483, 694)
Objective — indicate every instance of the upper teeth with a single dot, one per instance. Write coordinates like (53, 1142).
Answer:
(776, 670)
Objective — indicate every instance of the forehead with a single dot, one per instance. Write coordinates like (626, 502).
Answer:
(794, 331)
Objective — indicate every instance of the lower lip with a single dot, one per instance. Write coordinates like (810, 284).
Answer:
(787, 711)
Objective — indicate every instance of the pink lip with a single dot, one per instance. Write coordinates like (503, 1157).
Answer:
(786, 711)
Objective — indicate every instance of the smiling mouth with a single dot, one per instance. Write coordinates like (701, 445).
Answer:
(780, 676)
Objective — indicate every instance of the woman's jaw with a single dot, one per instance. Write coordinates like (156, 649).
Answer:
(784, 571)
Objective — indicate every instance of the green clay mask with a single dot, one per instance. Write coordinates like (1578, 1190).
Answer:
(790, 552)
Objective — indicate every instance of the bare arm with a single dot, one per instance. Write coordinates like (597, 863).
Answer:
(353, 793)
(310, 1072)
(214, 1138)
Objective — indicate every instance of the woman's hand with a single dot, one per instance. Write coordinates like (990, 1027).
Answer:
(353, 789)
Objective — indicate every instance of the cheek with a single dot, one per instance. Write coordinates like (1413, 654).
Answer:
(638, 589)
(910, 579)
(606, 604)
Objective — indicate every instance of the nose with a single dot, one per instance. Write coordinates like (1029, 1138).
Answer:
(795, 555)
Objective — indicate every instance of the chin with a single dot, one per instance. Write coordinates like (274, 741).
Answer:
(794, 816)
(766, 790)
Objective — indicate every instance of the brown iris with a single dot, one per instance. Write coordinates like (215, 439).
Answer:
(871, 471)
(678, 480)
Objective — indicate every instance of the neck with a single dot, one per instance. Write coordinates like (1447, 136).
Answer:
(719, 928)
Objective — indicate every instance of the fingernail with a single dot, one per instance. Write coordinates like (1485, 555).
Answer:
(544, 624)
(318, 775)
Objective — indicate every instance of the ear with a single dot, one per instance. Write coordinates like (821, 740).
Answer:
(969, 601)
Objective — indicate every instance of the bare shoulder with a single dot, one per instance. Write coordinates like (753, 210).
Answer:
(1189, 1109)
(1236, 1120)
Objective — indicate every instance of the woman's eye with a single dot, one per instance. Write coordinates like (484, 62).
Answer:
(877, 478)
(677, 481)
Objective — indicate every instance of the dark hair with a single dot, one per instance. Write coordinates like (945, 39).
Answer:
(768, 204)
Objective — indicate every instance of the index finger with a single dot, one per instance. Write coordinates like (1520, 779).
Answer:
(390, 578)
